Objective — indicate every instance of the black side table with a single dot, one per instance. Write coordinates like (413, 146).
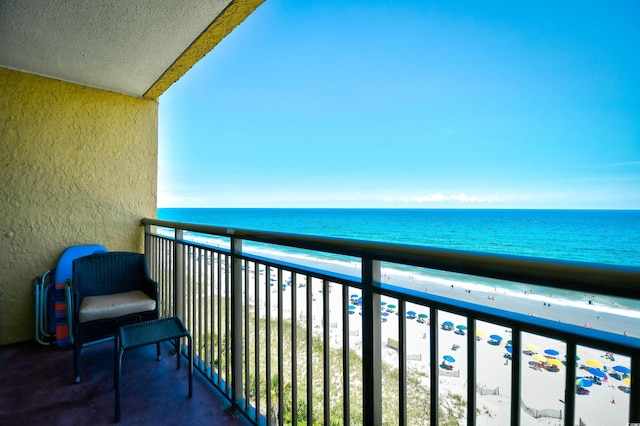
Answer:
(146, 333)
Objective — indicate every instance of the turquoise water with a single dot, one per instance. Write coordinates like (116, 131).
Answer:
(595, 236)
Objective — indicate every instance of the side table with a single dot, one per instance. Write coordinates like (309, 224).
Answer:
(146, 333)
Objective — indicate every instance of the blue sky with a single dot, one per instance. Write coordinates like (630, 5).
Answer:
(465, 104)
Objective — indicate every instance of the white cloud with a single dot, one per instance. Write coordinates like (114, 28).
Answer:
(442, 198)
(630, 163)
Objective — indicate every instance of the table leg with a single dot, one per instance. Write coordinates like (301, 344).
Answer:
(119, 354)
(190, 354)
(176, 345)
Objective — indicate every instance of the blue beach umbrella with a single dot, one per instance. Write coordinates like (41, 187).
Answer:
(449, 358)
(596, 372)
(447, 324)
(355, 296)
(584, 383)
(382, 303)
(495, 337)
(411, 314)
(351, 307)
(509, 349)
(622, 369)
(551, 352)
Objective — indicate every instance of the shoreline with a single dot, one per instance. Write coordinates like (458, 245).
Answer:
(565, 308)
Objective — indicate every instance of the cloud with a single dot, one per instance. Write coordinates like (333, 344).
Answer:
(629, 163)
(442, 198)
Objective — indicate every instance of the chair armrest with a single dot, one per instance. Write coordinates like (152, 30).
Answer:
(150, 288)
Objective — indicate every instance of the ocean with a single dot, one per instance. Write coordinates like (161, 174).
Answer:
(595, 236)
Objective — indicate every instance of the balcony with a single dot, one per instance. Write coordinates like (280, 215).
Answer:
(370, 347)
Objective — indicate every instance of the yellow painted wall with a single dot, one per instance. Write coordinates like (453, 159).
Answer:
(77, 166)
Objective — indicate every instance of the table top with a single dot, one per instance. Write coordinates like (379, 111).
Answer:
(154, 331)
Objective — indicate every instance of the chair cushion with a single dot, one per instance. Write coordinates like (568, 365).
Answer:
(114, 305)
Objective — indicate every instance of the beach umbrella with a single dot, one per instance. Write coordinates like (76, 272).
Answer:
(461, 327)
(584, 383)
(449, 358)
(447, 324)
(496, 337)
(382, 303)
(594, 363)
(351, 307)
(622, 369)
(355, 296)
(554, 361)
(551, 352)
(385, 314)
(596, 372)
(479, 333)
(627, 380)
(509, 349)
(532, 347)
(391, 306)
(423, 316)
(510, 342)
(539, 358)
(411, 314)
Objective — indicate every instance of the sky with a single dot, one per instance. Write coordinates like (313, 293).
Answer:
(411, 104)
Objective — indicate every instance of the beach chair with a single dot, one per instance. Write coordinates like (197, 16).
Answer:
(53, 309)
(109, 290)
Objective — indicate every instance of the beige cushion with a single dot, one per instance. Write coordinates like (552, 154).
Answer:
(114, 305)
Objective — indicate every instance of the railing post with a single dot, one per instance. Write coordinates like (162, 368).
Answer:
(147, 242)
(152, 261)
(371, 345)
(516, 375)
(434, 370)
(472, 364)
(236, 322)
(634, 408)
(570, 384)
(178, 274)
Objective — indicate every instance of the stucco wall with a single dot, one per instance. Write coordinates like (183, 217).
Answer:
(77, 166)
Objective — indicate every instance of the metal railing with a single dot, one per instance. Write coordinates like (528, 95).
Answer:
(267, 332)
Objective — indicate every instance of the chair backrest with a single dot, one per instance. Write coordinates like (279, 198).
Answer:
(109, 273)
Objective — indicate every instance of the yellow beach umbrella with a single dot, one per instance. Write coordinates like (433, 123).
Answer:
(627, 380)
(554, 361)
(539, 358)
(532, 347)
(479, 333)
(594, 363)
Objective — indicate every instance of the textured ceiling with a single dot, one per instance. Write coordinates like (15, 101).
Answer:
(118, 45)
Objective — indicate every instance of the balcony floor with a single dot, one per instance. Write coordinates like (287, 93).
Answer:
(37, 386)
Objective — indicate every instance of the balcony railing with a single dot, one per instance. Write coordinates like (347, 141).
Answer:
(290, 339)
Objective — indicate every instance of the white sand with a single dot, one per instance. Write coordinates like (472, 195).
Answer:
(541, 389)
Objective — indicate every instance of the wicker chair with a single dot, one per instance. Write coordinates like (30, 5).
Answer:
(110, 290)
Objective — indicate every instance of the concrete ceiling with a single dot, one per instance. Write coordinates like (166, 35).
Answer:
(123, 46)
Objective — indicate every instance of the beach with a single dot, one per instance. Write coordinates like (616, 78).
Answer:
(542, 389)
(618, 316)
